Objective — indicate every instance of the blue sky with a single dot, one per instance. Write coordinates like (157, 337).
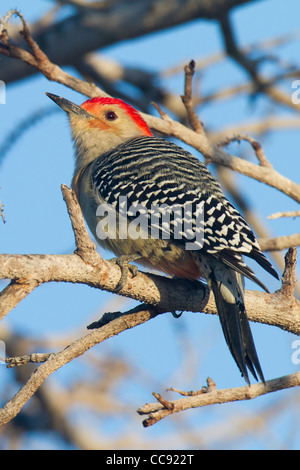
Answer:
(36, 222)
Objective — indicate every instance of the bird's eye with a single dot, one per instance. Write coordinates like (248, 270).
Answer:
(110, 115)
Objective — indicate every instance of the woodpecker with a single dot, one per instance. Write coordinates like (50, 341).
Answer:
(121, 166)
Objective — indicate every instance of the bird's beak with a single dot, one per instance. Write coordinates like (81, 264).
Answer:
(68, 106)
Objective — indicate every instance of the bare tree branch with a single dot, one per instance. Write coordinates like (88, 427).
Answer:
(187, 98)
(201, 142)
(158, 411)
(67, 40)
(16, 291)
(163, 293)
(263, 161)
(259, 83)
(277, 215)
(237, 54)
(279, 243)
(77, 348)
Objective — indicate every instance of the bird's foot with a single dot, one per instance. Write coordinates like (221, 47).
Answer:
(123, 263)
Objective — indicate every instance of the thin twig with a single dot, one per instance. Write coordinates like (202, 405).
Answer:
(263, 161)
(237, 54)
(38, 59)
(277, 215)
(26, 359)
(82, 239)
(205, 389)
(164, 116)
(157, 411)
(4, 21)
(196, 124)
(288, 277)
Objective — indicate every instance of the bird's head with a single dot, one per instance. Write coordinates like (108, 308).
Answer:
(100, 124)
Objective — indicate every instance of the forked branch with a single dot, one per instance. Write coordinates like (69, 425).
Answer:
(212, 396)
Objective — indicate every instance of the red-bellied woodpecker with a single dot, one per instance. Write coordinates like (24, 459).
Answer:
(185, 227)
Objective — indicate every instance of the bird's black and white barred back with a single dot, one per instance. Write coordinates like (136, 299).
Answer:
(120, 164)
(152, 172)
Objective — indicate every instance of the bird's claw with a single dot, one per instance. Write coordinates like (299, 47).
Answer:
(123, 263)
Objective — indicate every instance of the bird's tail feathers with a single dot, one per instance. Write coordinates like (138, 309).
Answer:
(228, 289)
